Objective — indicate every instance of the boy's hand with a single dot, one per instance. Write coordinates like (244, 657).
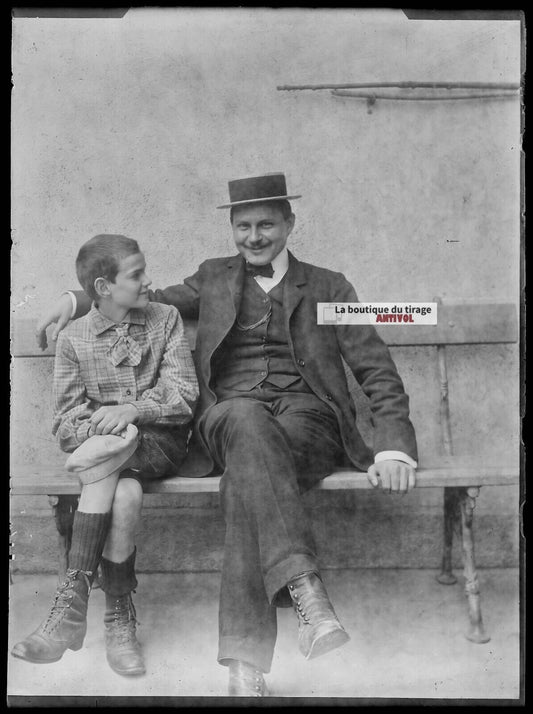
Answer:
(393, 476)
(112, 420)
(60, 313)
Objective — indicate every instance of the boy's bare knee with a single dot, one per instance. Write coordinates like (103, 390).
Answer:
(128, 495)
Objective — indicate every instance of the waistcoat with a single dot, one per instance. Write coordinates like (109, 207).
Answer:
(257, 348)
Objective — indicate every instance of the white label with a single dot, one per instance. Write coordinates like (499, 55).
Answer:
(377, 313)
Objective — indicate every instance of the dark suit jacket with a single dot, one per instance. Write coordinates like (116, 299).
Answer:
(212, 296)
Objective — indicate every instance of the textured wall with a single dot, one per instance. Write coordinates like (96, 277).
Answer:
(134, 125)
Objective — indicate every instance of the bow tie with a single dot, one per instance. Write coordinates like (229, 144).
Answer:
(125, 349)
(266, 271)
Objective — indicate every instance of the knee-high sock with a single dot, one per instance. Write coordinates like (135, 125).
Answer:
(119, 578)
(89, 534)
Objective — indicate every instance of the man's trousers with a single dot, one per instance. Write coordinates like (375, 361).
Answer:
(272, 446)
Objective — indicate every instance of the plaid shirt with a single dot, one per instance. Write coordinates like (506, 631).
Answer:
(162, 386)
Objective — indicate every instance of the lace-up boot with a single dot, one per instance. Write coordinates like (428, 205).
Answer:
(124, 653)
(245, 680)
(319, 630)
(66, 624)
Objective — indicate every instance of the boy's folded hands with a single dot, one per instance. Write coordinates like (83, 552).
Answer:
(113, 419)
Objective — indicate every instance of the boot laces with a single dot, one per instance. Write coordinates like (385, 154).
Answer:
(308, 602)
(124, 619)
(250, 676)
(303, 617)
(63, 597)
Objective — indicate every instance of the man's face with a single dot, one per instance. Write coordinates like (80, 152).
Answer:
(130, 287)
(260, 232)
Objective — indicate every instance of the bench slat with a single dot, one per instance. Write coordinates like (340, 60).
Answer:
(458, 323)
(53, 482)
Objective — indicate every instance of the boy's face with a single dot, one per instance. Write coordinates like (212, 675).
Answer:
(260, 232)
(130, 288)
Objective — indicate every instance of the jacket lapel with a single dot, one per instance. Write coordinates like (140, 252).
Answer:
(294, 283)
(234, 279)
(293, 290)
(225, 300)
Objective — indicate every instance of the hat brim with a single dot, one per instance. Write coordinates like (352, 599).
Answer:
(100, 455)
(258, 200)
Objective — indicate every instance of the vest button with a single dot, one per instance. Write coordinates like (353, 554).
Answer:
(263, 374)
(301, 362)
(328, 396)
(128, 392)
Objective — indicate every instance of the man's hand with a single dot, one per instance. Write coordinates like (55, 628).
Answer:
(60, 313)
(112, 420)
(392, 476)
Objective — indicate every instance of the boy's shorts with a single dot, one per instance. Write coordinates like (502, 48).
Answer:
(160, 452)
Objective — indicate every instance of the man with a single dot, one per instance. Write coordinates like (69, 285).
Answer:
(275, 416)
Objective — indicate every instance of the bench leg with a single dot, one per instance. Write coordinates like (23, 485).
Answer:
(64, 508)
(476, 631)
(451, 523)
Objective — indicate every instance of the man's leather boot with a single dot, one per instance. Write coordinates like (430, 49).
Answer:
(124, 653)
(66, 624)
(245, 680)
(319, 630)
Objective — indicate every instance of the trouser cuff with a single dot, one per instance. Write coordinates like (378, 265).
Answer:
(277, 577)
(257, 653)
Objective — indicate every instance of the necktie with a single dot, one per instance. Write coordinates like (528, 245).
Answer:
(125, 349)
(265, 270)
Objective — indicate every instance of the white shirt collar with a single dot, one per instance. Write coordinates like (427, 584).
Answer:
(280, 263)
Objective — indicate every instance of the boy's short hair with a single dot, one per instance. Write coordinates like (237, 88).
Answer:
(282, 204)
(100, 256)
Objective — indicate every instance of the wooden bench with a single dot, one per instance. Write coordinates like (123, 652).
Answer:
(461, 323)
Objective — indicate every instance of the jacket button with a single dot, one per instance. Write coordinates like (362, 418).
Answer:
(128, 392)
(301, 362)
(328, 396)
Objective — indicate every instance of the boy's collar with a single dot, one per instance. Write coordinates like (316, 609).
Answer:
(100, 323)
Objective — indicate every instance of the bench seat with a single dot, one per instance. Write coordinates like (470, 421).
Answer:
(49, 481)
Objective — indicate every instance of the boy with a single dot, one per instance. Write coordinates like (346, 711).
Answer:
(124, 392)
